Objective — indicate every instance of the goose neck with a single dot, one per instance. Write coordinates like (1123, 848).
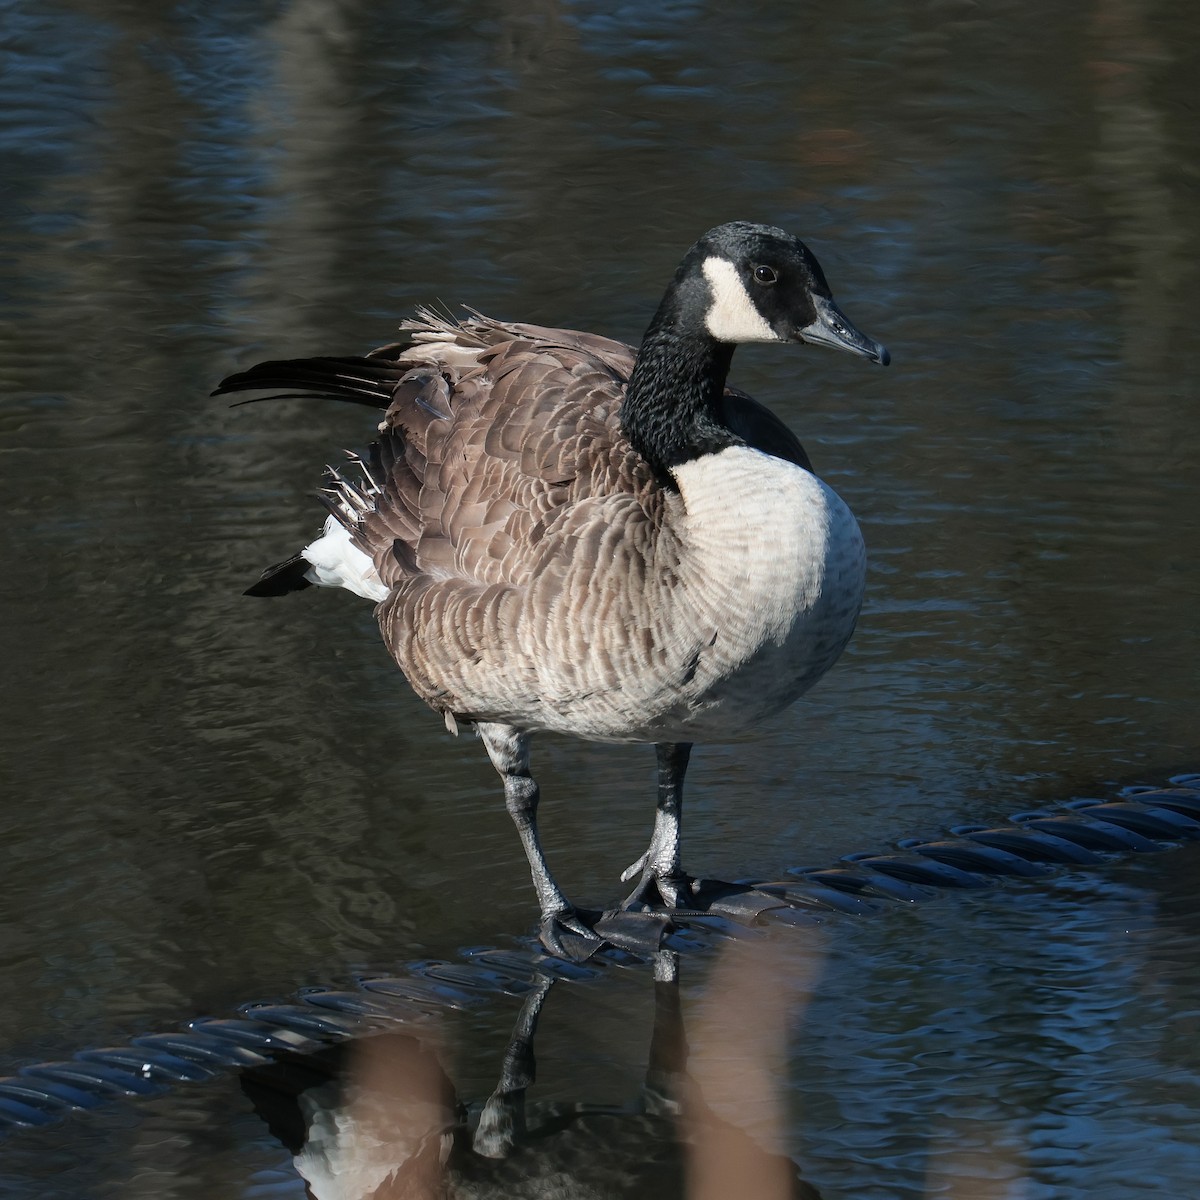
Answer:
(672, 407)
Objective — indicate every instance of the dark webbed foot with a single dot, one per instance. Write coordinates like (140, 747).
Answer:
(659, 891)
(569, 933)
(577, 934)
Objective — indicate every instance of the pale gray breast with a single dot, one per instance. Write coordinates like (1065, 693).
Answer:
(748, 596)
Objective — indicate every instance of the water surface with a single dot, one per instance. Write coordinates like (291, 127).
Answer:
(212, 799)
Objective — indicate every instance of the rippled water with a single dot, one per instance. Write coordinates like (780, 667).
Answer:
(212, 799)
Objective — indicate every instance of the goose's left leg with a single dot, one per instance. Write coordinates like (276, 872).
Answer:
(508, 748)
(662, 879)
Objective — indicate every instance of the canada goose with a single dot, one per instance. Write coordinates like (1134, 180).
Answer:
(561, 534)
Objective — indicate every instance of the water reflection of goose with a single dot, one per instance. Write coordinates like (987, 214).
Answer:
(561, 535)
(378, 1119)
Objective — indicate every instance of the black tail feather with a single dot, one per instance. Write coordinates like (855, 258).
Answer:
(284, 577)
(367, 381)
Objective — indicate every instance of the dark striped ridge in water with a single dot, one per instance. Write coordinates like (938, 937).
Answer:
(1083, 833)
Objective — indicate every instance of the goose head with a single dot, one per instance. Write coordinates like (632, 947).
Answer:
(743, 282)
(740, 282)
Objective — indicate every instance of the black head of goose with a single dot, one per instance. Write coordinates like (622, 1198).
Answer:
(561, 534)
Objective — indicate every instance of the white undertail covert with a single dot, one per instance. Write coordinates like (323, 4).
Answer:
(338, 562)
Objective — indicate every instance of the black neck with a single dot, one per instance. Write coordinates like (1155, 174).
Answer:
(672, 407)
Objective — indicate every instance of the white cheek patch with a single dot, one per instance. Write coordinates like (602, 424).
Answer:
(731, 315)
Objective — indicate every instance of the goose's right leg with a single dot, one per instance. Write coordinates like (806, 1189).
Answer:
(662, 880)
(508, 748)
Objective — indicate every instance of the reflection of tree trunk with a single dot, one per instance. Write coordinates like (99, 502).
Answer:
(103, 346)
(308, 128)
(1131, 160)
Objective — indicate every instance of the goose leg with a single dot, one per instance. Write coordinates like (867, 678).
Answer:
(508, 748)
(662, 878)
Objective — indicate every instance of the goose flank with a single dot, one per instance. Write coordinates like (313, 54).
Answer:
(562, 534)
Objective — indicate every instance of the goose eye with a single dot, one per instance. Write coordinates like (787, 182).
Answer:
(765, 275)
